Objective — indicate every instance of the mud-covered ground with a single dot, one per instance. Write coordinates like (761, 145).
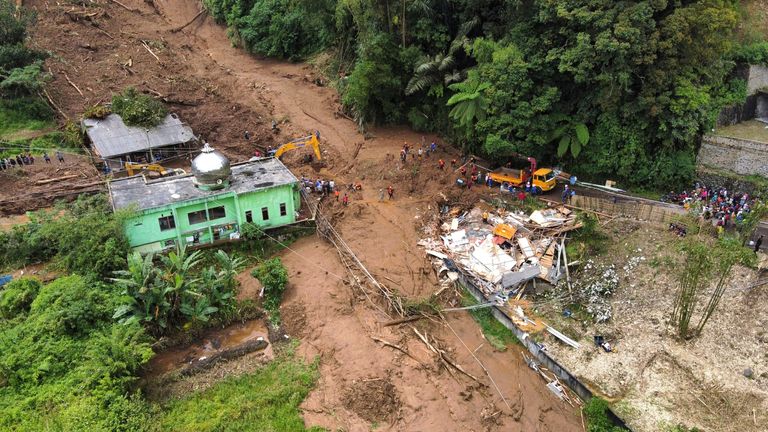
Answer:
(222, 91)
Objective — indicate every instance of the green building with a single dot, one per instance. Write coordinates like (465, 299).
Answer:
(209, 205)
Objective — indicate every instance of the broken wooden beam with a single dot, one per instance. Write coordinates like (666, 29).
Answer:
(403, 320)
(57, 179)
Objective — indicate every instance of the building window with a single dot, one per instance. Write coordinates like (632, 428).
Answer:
(216, 213)
(249, 216)
(167, 223)
(197, 217)
(265, 213)
(283, 210)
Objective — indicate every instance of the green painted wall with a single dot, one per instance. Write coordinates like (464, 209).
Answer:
(144, 232)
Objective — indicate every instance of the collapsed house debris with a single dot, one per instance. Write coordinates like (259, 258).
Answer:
(503, 253)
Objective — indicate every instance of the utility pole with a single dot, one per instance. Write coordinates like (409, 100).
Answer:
(151, 156)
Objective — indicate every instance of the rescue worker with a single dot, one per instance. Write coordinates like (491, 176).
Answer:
(485, 217)
(463, 171)
(453, 162)
(381, 195)
(345, 200)
(390, 191)
(441, 164)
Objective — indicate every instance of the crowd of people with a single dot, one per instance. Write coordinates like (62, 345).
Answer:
(720, 205)
(26, 159)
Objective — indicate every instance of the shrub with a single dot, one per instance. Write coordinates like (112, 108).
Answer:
(138, 109)
(17, 296)
(274, 277)
(97, 112)
(596, 413)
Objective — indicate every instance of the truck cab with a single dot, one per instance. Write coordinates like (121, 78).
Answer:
(544, 179)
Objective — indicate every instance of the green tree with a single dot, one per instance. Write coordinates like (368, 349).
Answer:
(571, 135)
(468, 102)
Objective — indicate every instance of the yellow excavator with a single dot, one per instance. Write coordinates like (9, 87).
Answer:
(312, 141)
(155, 170)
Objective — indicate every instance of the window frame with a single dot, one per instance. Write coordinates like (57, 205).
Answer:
(197, 212)
(170, 226)
(217, 208)
(265, 213)
(283, 209)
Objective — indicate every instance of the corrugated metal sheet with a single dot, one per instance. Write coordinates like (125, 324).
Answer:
(111, 137)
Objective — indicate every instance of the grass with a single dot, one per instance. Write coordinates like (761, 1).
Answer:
(752, 130)
(26, 114)
(596, 414)
(49, 143)
(497, 335)
(266, 400)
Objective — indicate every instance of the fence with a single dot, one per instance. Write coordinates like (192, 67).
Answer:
(629, 208)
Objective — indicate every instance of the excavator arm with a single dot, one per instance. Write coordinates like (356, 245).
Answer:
(311, 140)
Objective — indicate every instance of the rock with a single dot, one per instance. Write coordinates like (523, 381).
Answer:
(748, 372)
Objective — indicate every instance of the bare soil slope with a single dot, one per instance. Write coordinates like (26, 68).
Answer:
(221, 92)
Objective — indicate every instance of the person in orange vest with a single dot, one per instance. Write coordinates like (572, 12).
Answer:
(441, 164)
(390, 191)
(336, 194)
(345, 200)
(463, 171)
(453, 162)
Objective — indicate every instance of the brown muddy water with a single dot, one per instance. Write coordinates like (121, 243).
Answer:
(211, 342)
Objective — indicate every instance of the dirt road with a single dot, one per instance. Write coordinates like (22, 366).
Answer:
(222, 91)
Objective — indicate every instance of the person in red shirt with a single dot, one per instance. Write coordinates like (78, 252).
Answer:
(390, 191)
(441, 164)
(345, 200)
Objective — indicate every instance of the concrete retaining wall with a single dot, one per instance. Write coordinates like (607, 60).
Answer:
(735, 155)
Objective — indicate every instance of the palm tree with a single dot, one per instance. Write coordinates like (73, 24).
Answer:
(441, 69)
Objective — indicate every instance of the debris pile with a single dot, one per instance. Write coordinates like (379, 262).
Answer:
(501, 251)
(595, 284)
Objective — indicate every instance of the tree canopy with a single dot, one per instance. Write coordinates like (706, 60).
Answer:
(603, 87)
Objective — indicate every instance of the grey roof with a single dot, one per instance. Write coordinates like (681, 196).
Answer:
(246, 177)
(111, 137)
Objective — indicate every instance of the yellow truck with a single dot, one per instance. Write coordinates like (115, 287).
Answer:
(542, 178)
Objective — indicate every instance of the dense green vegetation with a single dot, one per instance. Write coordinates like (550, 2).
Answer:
(175, 293)
(605, 88)
(267, 400)
(22, 111)
(66, 365)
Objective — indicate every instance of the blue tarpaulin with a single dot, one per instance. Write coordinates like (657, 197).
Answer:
(5, 279)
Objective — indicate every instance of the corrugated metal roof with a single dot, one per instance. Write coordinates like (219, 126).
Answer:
(246, 177)
(111, 137)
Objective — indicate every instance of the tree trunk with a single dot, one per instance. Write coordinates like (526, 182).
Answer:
(403, 23)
